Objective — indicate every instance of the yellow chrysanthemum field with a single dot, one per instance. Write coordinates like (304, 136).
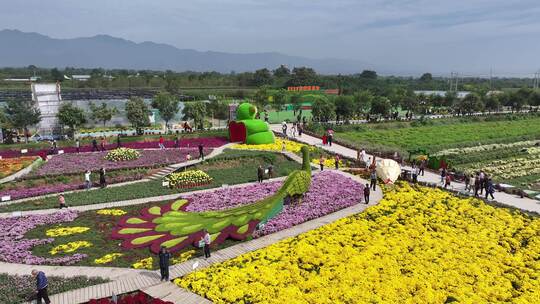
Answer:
(419, 245)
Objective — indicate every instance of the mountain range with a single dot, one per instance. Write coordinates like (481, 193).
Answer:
(20, 49)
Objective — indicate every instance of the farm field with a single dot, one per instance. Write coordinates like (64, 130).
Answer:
(507, 150)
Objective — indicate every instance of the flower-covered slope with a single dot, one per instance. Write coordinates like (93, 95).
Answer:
(419, 245)
(328, 192)
(14, 248)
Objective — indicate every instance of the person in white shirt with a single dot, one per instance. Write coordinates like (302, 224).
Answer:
(87, 182)
(206, 240)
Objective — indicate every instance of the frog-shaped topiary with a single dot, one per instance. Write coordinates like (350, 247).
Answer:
(248, 129)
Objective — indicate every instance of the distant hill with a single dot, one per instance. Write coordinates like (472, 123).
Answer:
(22, 49)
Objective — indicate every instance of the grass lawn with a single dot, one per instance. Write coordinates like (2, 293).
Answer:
(232, 167)
(275, 117)
(403, 137)
(18, 289)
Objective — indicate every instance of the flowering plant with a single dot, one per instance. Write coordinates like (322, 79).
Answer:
(70, 247)
(65, 231)
(144, 263)
(418, 245)
(13, 165)
(279, 145)
(14, 248)
(108, 258)
(189, 178)
(122, 154)
(113, 212)
(184, 256)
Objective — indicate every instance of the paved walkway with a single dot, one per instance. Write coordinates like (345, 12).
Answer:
(526, 204)
(111, 273)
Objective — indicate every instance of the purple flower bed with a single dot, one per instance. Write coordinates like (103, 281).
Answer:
(208, 142)
(15, 249)
(79, 163)
(22, 192)
(329, 192)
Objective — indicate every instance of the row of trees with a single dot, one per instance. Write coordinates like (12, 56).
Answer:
(280, 77)
(22, 114)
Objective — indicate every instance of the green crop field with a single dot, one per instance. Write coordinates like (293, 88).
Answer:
(437, 137)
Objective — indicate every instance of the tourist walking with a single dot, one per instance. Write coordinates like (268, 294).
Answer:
(373, 179)
(260, 174)
(300, 129)
(201, 152)
(55, 147)
(366, 194)
(270, 171)
(266, 116)
(118, 141)
(467, 182)
(161, 142)
(78, 145)
(176, 142)
(41, 286)
(321, 162)
(87, 181)
(330, 136)
(482, 177)
(102, 181)
(206, 243)
(447, 181)
(490, 189)
(476, 184)
(61, 202)
(94, 145)
(103, 143)
(164, 259)
(293, 130)
(336, 161)
(414, 173)
(443, 175)
(423, 164)
(324, 139)
(284, 128)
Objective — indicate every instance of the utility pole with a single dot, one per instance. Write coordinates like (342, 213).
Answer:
(536, 81)
(490, 79)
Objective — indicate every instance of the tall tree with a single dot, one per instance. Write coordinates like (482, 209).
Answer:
(282, 71)
(344, 107)
(261, 97)
(137, 113)
(323, 109)
(368, 74)
(303, 76)
(363, 100)
(102, 113)
(262, 77)
(426, 77)
(279, 100)
(71, 116)
(22, 114)
(380, 105)
(197, 111)
(167, 105)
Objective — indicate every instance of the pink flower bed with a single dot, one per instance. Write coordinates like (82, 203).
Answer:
(23, 192)
(79, 163)
(329, 192)
(207, 142)
(14, 248)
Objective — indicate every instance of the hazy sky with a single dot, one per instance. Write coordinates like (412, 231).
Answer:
(470, 36)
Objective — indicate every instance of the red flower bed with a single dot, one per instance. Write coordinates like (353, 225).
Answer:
(136, 298)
